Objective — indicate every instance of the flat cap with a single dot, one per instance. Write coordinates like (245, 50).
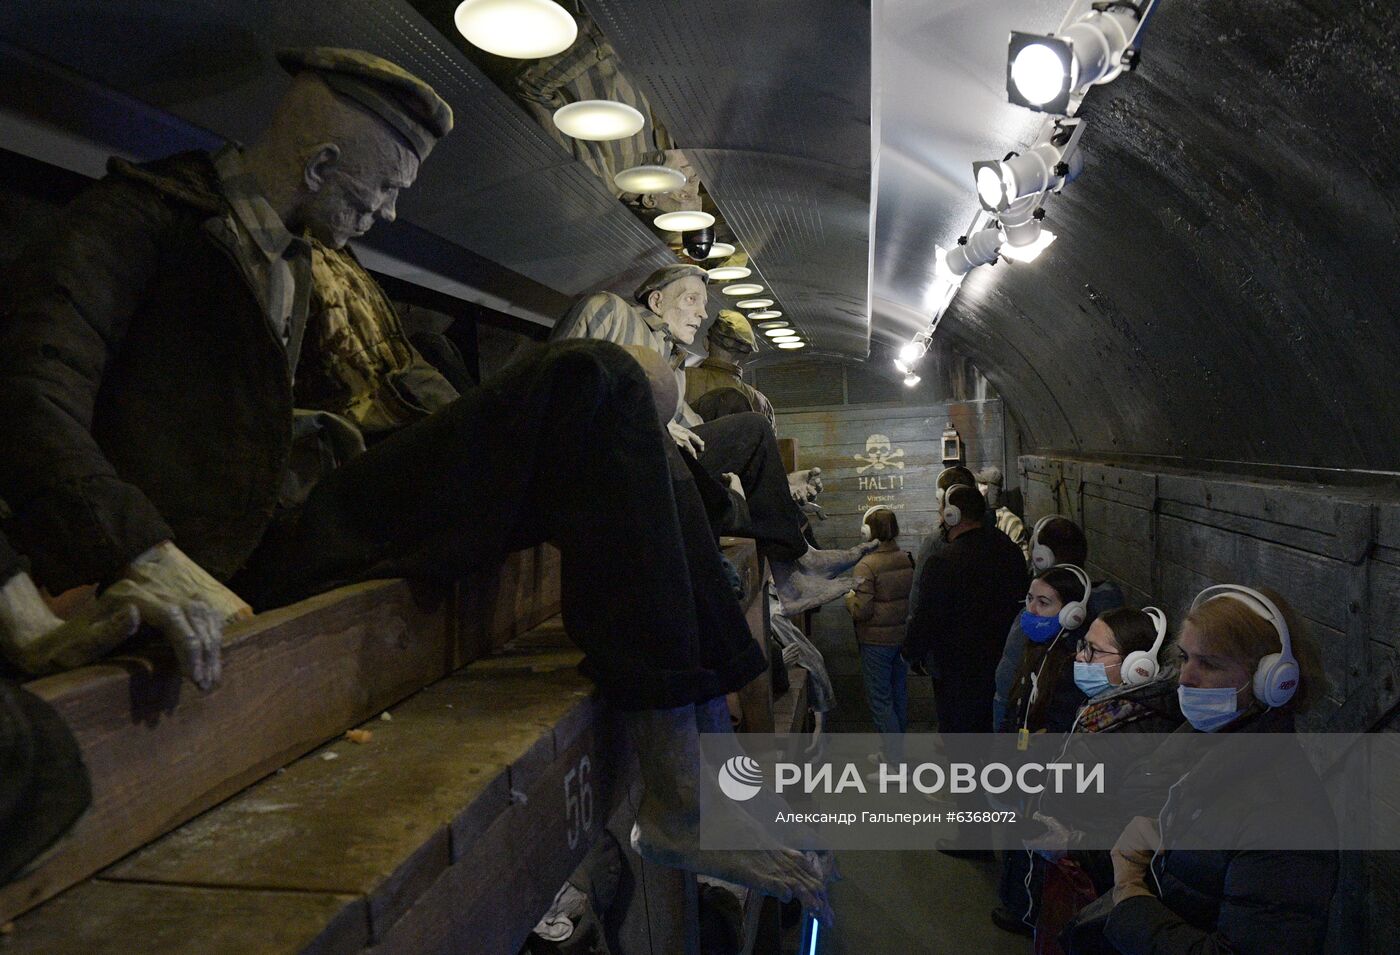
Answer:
(387, 90)
(734, 326)
(664, 276)
(989, 475)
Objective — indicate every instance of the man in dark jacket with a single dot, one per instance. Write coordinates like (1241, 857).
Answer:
(148, 351)
(969, 592)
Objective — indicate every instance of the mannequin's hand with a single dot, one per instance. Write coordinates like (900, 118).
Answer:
(791, 652)
(38, 642)
(735, 484)
(687, 440)
(189, 607)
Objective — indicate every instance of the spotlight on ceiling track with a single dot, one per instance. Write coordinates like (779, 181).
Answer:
(1031, 251)
(901, 366)
(520, 29)
(649, 180)
(911, 379)
(599, 121)
(1049, 73)
(1053, 161)
(980, 248)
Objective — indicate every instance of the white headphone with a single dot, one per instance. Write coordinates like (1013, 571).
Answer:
(865, 534)
(952, 514)
(1141, 666)
(1074, 613)
(1276, 676)
(1042, 557)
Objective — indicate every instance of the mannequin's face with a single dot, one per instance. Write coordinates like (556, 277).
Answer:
(681, 305)
(357, 183)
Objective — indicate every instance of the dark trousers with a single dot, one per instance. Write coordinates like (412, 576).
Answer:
(744, 444)
(963, 700)
(562, 446)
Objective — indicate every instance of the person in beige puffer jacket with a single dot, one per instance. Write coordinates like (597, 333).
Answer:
(879, 606)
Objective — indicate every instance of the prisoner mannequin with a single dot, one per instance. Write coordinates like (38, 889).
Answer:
(716, 387)
(669, 312)
(189, 513)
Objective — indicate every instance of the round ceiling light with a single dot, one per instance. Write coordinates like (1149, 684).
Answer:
(744, 288)
(684, 221)
(599, 121)
(720, 250)
(778, 331)
(727, 273)
(649, 180)
(756, 303)
(767, 313)
(792, 344)
(770, 324)
(520, 29)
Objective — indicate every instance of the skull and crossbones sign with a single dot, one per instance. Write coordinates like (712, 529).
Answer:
(879, 454)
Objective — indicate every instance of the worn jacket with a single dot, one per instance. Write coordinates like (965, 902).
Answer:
(714, 374)
(144, 393)
(607, 317)
(879, 605)
(1252, 901)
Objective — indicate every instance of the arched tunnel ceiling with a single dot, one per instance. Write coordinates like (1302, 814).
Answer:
(1223, 287)
(773, 107)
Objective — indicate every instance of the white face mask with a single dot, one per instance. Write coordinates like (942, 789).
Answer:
(1208, 708)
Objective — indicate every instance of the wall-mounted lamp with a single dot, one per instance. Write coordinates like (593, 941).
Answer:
(1049, 73)
(1053, 161)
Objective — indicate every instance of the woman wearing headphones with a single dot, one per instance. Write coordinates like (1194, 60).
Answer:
(879, 607)
(1043, 695)
(1119, 666)
(1246, 668)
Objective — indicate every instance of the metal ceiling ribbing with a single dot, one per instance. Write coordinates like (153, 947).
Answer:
(773, 107)
(498, 185)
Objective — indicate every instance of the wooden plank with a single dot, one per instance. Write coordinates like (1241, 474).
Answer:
(117, 918)
(1314, 584)
(1115, 483)
(938, 412)
(787, 448)
(504, 876)
(1307, 518)
(498, 605)
(159, 752)
(375, 822)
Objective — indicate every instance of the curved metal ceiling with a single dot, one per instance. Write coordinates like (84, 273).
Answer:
(1222, 287)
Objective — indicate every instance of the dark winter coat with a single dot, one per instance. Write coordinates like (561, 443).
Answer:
(1244, 900)
(970, 589)
(143, 392)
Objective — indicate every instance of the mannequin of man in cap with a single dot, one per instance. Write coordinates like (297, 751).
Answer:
(669, 311)
(716, 387)
(148, 351)
(989, 482)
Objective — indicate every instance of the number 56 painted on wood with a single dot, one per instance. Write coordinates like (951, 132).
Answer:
(578, 806)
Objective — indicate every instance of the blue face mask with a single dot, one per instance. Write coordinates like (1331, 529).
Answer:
(1091, 678)
(1039, 629)
(1208, 708)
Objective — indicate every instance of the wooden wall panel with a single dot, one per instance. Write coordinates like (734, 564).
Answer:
(842, 442)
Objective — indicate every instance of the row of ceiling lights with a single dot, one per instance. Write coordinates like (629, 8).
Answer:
(534, 29)
(1049, 74)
